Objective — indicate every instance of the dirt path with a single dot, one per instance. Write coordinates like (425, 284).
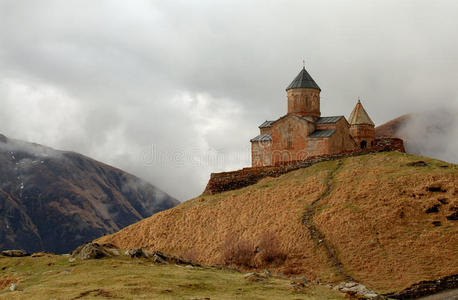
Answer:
(317, 236)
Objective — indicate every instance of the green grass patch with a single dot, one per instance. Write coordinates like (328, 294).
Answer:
(125, 278)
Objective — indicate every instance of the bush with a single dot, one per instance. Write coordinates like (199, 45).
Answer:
(268, 250)
(242, 252)
(238, 252)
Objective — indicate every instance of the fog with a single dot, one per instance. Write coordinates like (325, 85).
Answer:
(432, 133)
(174, 90)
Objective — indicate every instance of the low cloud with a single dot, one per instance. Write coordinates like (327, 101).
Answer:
(190, 81)
(16, 147)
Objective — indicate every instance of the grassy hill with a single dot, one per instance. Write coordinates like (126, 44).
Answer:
(380, 219)
(55, 277)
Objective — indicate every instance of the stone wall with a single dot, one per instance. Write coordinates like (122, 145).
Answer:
(389, 144)
(227, 181)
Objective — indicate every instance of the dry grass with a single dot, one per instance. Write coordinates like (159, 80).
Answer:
(7, 280)
(374, 216)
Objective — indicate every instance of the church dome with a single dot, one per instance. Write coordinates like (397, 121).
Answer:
(303, 80)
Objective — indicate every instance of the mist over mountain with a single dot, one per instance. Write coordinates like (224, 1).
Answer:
(432, 133)
(55, 200)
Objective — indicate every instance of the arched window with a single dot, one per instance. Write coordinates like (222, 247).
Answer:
(363, 144)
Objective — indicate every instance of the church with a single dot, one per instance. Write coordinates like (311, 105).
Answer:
(303, 133)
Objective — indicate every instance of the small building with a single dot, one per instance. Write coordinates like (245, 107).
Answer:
(303, 133)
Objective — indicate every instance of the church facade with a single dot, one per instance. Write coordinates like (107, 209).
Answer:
(303, 133)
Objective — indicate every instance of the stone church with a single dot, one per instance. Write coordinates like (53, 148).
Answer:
(303, 133)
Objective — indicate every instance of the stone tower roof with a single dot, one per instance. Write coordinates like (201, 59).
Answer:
(359, 116)
(303, 80)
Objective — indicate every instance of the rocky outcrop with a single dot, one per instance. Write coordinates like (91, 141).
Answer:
(425, 288)
(96, 251)
(14, 253)
(90, 251)
(357, 290)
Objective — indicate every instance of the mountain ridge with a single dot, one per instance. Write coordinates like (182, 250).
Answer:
(55, 200)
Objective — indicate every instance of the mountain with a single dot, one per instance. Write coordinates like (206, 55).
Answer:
(430, 133)
(387, 220)
(54, 200)
(393, 128)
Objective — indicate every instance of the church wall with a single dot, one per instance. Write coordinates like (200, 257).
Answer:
(289, 139)
(341, 140)
(261, 154)
(363, 132)
(316, 147)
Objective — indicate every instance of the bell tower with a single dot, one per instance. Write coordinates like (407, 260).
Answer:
(361, 127)
(304, 96)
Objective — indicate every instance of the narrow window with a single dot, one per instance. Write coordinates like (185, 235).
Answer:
(289, 143)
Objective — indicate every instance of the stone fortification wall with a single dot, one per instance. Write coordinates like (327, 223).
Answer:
(227, 181)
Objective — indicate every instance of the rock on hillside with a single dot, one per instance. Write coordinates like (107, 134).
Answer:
(379, 219)
(54, 200)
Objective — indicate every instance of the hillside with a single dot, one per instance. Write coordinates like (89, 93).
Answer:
(380, 219)
(54, 200)
(393, 128)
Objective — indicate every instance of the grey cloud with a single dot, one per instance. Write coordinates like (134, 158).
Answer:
(194, 79)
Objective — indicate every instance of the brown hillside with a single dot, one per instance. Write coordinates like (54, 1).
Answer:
(367, 214)
(392, 128)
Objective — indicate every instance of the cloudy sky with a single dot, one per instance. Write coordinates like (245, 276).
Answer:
(173, 90)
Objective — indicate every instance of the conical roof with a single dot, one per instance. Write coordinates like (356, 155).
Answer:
(359, 116)
(303, 80)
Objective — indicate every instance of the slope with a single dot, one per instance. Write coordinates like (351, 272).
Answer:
(54, 200)
(381, 219)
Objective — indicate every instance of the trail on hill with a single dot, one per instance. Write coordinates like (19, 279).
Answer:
(317, 236)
